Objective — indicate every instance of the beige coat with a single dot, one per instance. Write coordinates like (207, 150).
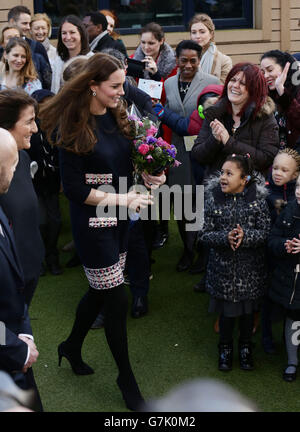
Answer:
(222, 64)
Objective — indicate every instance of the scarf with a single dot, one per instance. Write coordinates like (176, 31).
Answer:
(94, 42)
(208, 58)
(46, 44)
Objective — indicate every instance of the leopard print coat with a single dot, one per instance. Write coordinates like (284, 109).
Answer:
(241, 274)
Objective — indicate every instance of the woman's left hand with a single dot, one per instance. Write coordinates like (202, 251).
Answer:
(281, 79)
(219, 131)
(295, 245)
(150, 65)
(153, 182)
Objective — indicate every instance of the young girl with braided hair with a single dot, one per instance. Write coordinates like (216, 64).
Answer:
(281, 187)
(284, 244)
(236, 227)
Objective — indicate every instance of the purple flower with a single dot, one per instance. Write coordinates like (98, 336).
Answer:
(151, 140)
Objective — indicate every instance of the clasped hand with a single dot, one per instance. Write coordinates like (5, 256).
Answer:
(33, 355)
(219, 131)
(293, 246)
(235, 237)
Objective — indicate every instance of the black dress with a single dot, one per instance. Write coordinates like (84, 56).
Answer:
(101, 242)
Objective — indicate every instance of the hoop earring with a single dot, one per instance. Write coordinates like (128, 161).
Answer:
(94, 93)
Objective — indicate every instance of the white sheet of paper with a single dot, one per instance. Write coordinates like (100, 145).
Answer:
(189, 142)
(151, 87)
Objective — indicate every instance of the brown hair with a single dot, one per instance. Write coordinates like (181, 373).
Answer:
(73, 67)
(62, 50)
(107, 12)
(155, 29)
(206, 20)
(28, 72)
(68, 113)
(12, 103)
(8, 27)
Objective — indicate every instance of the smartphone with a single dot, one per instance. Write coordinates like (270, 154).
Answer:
(135, 68)
(136, 63)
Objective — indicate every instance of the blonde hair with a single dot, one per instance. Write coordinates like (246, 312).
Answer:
(293, 153)
(44, 17)
(206, 20)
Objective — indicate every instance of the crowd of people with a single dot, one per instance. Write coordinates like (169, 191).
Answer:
(65, 126)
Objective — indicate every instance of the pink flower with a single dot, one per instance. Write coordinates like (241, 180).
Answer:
(152, 131)
(151, 147)
(176, 163)
(149, 158)
(143, 149)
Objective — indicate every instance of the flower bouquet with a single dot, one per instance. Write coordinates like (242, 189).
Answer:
(150, 154)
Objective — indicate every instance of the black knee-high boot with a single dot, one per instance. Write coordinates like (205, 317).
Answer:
(114, 301)
(116, 335)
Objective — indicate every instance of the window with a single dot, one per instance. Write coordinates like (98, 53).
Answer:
(173, 15)
(57, 9)
(135, 14)
(227, 14)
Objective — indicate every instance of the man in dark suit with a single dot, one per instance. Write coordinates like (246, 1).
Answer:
(20, 16)
(18, 351)
(96, 26)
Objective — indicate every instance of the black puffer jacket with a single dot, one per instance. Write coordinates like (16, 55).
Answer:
(285, 281)
(258, 137)
(241, 274)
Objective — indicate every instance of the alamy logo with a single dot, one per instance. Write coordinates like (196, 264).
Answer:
(296, 334)
(2, 333)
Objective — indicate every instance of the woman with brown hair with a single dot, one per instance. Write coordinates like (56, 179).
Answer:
(7, 33)
(72, 40)
(202, 31)
(156, 53)
(17, 69)
(94, 137)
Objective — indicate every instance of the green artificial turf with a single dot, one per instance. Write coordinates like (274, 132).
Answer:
(175, 342)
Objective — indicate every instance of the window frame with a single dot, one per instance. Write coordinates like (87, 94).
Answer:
(187, 11)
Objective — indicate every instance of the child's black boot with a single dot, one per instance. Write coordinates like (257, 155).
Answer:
(225, 357)
(245, 356)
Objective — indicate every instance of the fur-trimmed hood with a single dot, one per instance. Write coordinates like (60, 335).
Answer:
(255, 190)
(166, 61)
(220, 108)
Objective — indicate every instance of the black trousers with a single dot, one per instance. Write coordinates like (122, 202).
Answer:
(50, 224)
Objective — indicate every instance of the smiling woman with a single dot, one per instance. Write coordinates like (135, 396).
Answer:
(95, 151)
(72, 41)
(17, 68)
(241, 122)
(20, 204)
(40, 30)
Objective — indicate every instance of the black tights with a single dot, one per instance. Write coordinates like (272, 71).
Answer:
(245, 326)
(114, 302)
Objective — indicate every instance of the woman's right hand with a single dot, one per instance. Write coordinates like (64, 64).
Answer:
(281, 79)
(135, 201)
(150, 65)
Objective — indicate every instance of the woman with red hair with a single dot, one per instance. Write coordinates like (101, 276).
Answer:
(241, 122)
